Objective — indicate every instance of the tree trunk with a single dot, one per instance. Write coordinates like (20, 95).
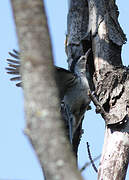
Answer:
(91, 24)
(115, 156)
(111, 81)
(94, 24)
(45, 128)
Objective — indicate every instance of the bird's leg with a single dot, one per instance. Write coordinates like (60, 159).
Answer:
(99, 108)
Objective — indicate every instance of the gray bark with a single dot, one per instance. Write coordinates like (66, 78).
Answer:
(94, 24)
(111, 80)
(91, 24)
(77, 25)
(45, 128)
(115, 155)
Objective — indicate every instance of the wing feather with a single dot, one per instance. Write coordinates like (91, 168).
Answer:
(14, 67)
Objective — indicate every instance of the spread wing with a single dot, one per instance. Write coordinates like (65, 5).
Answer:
(14, 67)
(64, 78)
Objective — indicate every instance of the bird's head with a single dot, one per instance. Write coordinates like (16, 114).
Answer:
(80, 67)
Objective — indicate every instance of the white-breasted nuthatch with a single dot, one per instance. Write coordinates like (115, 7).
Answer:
(73, 88)
(77, 97)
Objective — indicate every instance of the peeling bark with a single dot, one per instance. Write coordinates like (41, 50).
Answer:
(111, 81)
(91, 24)
(107, 76)
(115, 99)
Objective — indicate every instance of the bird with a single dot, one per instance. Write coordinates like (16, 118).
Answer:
(73, 88)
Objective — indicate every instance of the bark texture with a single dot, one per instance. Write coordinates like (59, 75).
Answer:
(91, 24)
(115, 156)
(77, 25)
(111, 80)
(44, 123)
(94, 24)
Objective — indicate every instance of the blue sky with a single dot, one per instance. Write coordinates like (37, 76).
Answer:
(17, 158)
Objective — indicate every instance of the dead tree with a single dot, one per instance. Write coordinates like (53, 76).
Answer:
(94, 24)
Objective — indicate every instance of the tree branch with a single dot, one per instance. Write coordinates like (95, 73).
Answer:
(45, 128)
(90, 157)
